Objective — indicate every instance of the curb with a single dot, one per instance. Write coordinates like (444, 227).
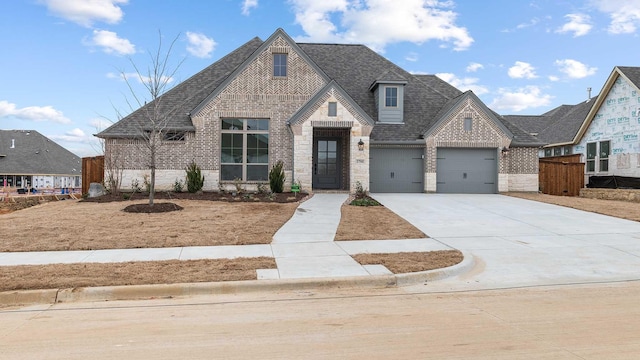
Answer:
(139, 292)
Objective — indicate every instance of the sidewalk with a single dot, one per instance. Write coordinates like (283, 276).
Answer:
(302, 248)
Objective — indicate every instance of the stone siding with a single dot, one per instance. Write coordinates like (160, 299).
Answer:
(632, 195)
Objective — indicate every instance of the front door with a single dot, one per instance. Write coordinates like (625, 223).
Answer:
(326, 163)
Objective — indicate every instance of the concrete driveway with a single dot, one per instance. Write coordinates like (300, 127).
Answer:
(518, 242)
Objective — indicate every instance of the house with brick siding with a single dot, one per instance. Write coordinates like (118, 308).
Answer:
(337, 115)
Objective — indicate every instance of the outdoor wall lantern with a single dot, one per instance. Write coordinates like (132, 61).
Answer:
(505, 151)
(360, 145)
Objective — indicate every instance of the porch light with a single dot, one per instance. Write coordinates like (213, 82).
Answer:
(360, 145)
(505, 151)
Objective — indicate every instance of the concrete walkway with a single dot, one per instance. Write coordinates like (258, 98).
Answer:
(302, 248)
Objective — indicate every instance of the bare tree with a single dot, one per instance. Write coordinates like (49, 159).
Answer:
(155, 117)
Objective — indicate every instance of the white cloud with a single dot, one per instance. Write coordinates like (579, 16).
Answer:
(473, 67)
(111, 43)
(521, 99)
(553, 78)
(200, 45)
(247, 5)
(376, 22)
(464, 84)
(625, 15)
(32, 113)
(532, 22)
(100, 124)
(578, 24)
(86, 12)
(522, 70)
(575, 69)
(75, 135)
(411, 57)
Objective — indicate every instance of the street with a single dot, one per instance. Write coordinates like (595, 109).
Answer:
(583, 321)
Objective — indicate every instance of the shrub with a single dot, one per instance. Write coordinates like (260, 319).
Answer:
(276, 177)
(178, 186)
(195, 179)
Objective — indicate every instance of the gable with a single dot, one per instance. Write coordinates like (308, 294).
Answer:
(485, 129)
(317, 108)
(617, 118)
(619, 96)
(255, 78)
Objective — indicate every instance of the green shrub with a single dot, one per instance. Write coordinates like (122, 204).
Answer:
(178, 186)
(276, 177)
(365, 201)
(195, 179)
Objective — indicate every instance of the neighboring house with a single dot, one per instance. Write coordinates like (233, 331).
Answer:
(29, 160)
(604, 130)
(336, 115)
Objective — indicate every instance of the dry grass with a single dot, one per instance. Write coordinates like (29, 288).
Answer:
(407, 262)
(621, 209)
(74, 225)
(374, 223)
(29, 277)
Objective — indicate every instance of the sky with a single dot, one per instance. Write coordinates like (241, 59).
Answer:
(62, 62)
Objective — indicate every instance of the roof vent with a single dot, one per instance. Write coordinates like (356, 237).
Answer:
(588, 93)
(13, 143)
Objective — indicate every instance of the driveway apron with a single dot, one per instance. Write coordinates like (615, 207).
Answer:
(519, 242)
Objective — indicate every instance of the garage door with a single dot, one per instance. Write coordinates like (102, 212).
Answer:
(468, 171)
(396, 170)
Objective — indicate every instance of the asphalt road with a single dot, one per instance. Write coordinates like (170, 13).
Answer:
(589, 321)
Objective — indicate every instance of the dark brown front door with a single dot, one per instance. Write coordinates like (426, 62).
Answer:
(326, 163)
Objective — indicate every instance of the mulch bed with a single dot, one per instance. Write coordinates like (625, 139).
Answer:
(284, 197)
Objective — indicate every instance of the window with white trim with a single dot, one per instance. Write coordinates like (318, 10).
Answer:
(592, 150)
(391, 96)
(605, 150)
(244, 150)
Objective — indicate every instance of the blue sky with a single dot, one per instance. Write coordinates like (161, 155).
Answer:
(62, 60)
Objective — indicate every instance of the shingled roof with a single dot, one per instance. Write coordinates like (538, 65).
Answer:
(632, 73)
(180, 100)
(355, 68)
(27, 152)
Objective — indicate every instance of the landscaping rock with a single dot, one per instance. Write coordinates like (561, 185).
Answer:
(96, 189)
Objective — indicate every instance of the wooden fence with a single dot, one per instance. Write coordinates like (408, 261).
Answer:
(561, 175)
(92, 171)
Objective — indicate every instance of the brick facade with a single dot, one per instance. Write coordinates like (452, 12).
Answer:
(484, 133)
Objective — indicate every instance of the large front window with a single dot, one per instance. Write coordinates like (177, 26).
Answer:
(244, 152)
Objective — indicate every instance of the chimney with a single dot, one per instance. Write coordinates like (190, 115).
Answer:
(588, 93)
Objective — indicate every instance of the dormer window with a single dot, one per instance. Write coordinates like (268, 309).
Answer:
(279, 65)
(391, 97)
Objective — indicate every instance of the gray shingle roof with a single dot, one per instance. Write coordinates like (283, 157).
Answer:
(180, 100)
(356, 67)
(353, 67)
(27, 152)
(632, 73)
(556, 126)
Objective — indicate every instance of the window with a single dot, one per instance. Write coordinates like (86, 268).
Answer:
(591, 157)
(244, 151)
(279, 65)
(567, 150)
(604, 155)
(557, 151)
(468, 123)
(391, 97)
(333, 109)
(174, 136)
(547, 152)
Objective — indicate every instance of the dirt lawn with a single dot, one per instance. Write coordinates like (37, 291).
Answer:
(621, 209)
(76, 225)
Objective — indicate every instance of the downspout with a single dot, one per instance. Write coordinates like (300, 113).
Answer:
(293, 154)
